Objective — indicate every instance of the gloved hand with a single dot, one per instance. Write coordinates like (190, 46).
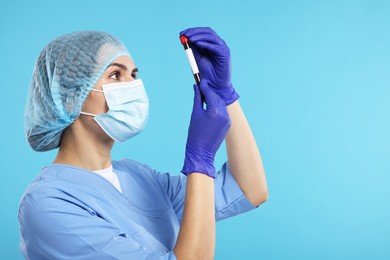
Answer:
(207, 130)
(213, 58)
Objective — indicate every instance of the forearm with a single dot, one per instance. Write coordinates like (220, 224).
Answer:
(244, 157)
(196, 238)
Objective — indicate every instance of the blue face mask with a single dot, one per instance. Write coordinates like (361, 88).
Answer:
(128, 109)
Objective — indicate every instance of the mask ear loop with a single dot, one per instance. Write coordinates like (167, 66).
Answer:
(97, 90)
(90, 114)
(87, 114)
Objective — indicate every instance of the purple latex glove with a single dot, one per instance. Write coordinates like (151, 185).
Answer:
(208, 128)
(213, 58)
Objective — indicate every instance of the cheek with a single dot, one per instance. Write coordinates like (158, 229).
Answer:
(95, 103)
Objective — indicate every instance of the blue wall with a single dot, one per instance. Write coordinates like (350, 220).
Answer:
(314, 80)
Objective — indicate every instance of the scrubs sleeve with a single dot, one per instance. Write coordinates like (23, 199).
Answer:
(229, 198)
(60, 227)
(175, 188)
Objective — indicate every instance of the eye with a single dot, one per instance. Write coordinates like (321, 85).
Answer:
(134, 75)
(115, 75)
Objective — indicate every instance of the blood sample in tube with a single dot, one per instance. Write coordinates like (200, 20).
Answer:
(191, 58)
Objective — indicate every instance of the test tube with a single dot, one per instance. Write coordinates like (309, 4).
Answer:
(191, 58)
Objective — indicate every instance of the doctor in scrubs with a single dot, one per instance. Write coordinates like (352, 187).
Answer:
(85, 96)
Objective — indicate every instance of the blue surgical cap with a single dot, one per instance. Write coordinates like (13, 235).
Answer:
(65, 72)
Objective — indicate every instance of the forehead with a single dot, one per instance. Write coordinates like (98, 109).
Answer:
(125, 60)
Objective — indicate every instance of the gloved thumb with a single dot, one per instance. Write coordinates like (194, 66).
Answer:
(198, 102)
(211, 98)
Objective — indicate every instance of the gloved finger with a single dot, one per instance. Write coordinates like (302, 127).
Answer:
(206, 37)
(211, 98)
(198, 102)
(218, 50)
(196, 30)
(200, 54)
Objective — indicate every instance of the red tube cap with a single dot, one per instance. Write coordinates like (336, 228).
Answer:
(183, 39)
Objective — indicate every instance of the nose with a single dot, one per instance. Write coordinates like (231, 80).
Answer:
(128, 78)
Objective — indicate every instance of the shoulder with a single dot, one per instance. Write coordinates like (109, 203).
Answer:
(53, 184)
(39, 199)
(39, 187)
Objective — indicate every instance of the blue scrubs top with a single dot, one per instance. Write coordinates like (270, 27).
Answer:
(72, 213)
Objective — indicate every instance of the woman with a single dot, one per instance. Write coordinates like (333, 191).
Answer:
(83, 97)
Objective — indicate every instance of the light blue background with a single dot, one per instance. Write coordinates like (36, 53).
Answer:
(314, 82)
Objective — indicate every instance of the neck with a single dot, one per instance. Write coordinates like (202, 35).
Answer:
(83, 149)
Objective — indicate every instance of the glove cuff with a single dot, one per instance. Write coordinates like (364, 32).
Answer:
(228, 94)
(200, 165)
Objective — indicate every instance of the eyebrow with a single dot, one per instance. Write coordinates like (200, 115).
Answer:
(123, 67)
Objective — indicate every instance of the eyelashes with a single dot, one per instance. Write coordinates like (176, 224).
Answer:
(117, 74)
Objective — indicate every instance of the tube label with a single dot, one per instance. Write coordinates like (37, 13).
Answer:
(192, 61)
